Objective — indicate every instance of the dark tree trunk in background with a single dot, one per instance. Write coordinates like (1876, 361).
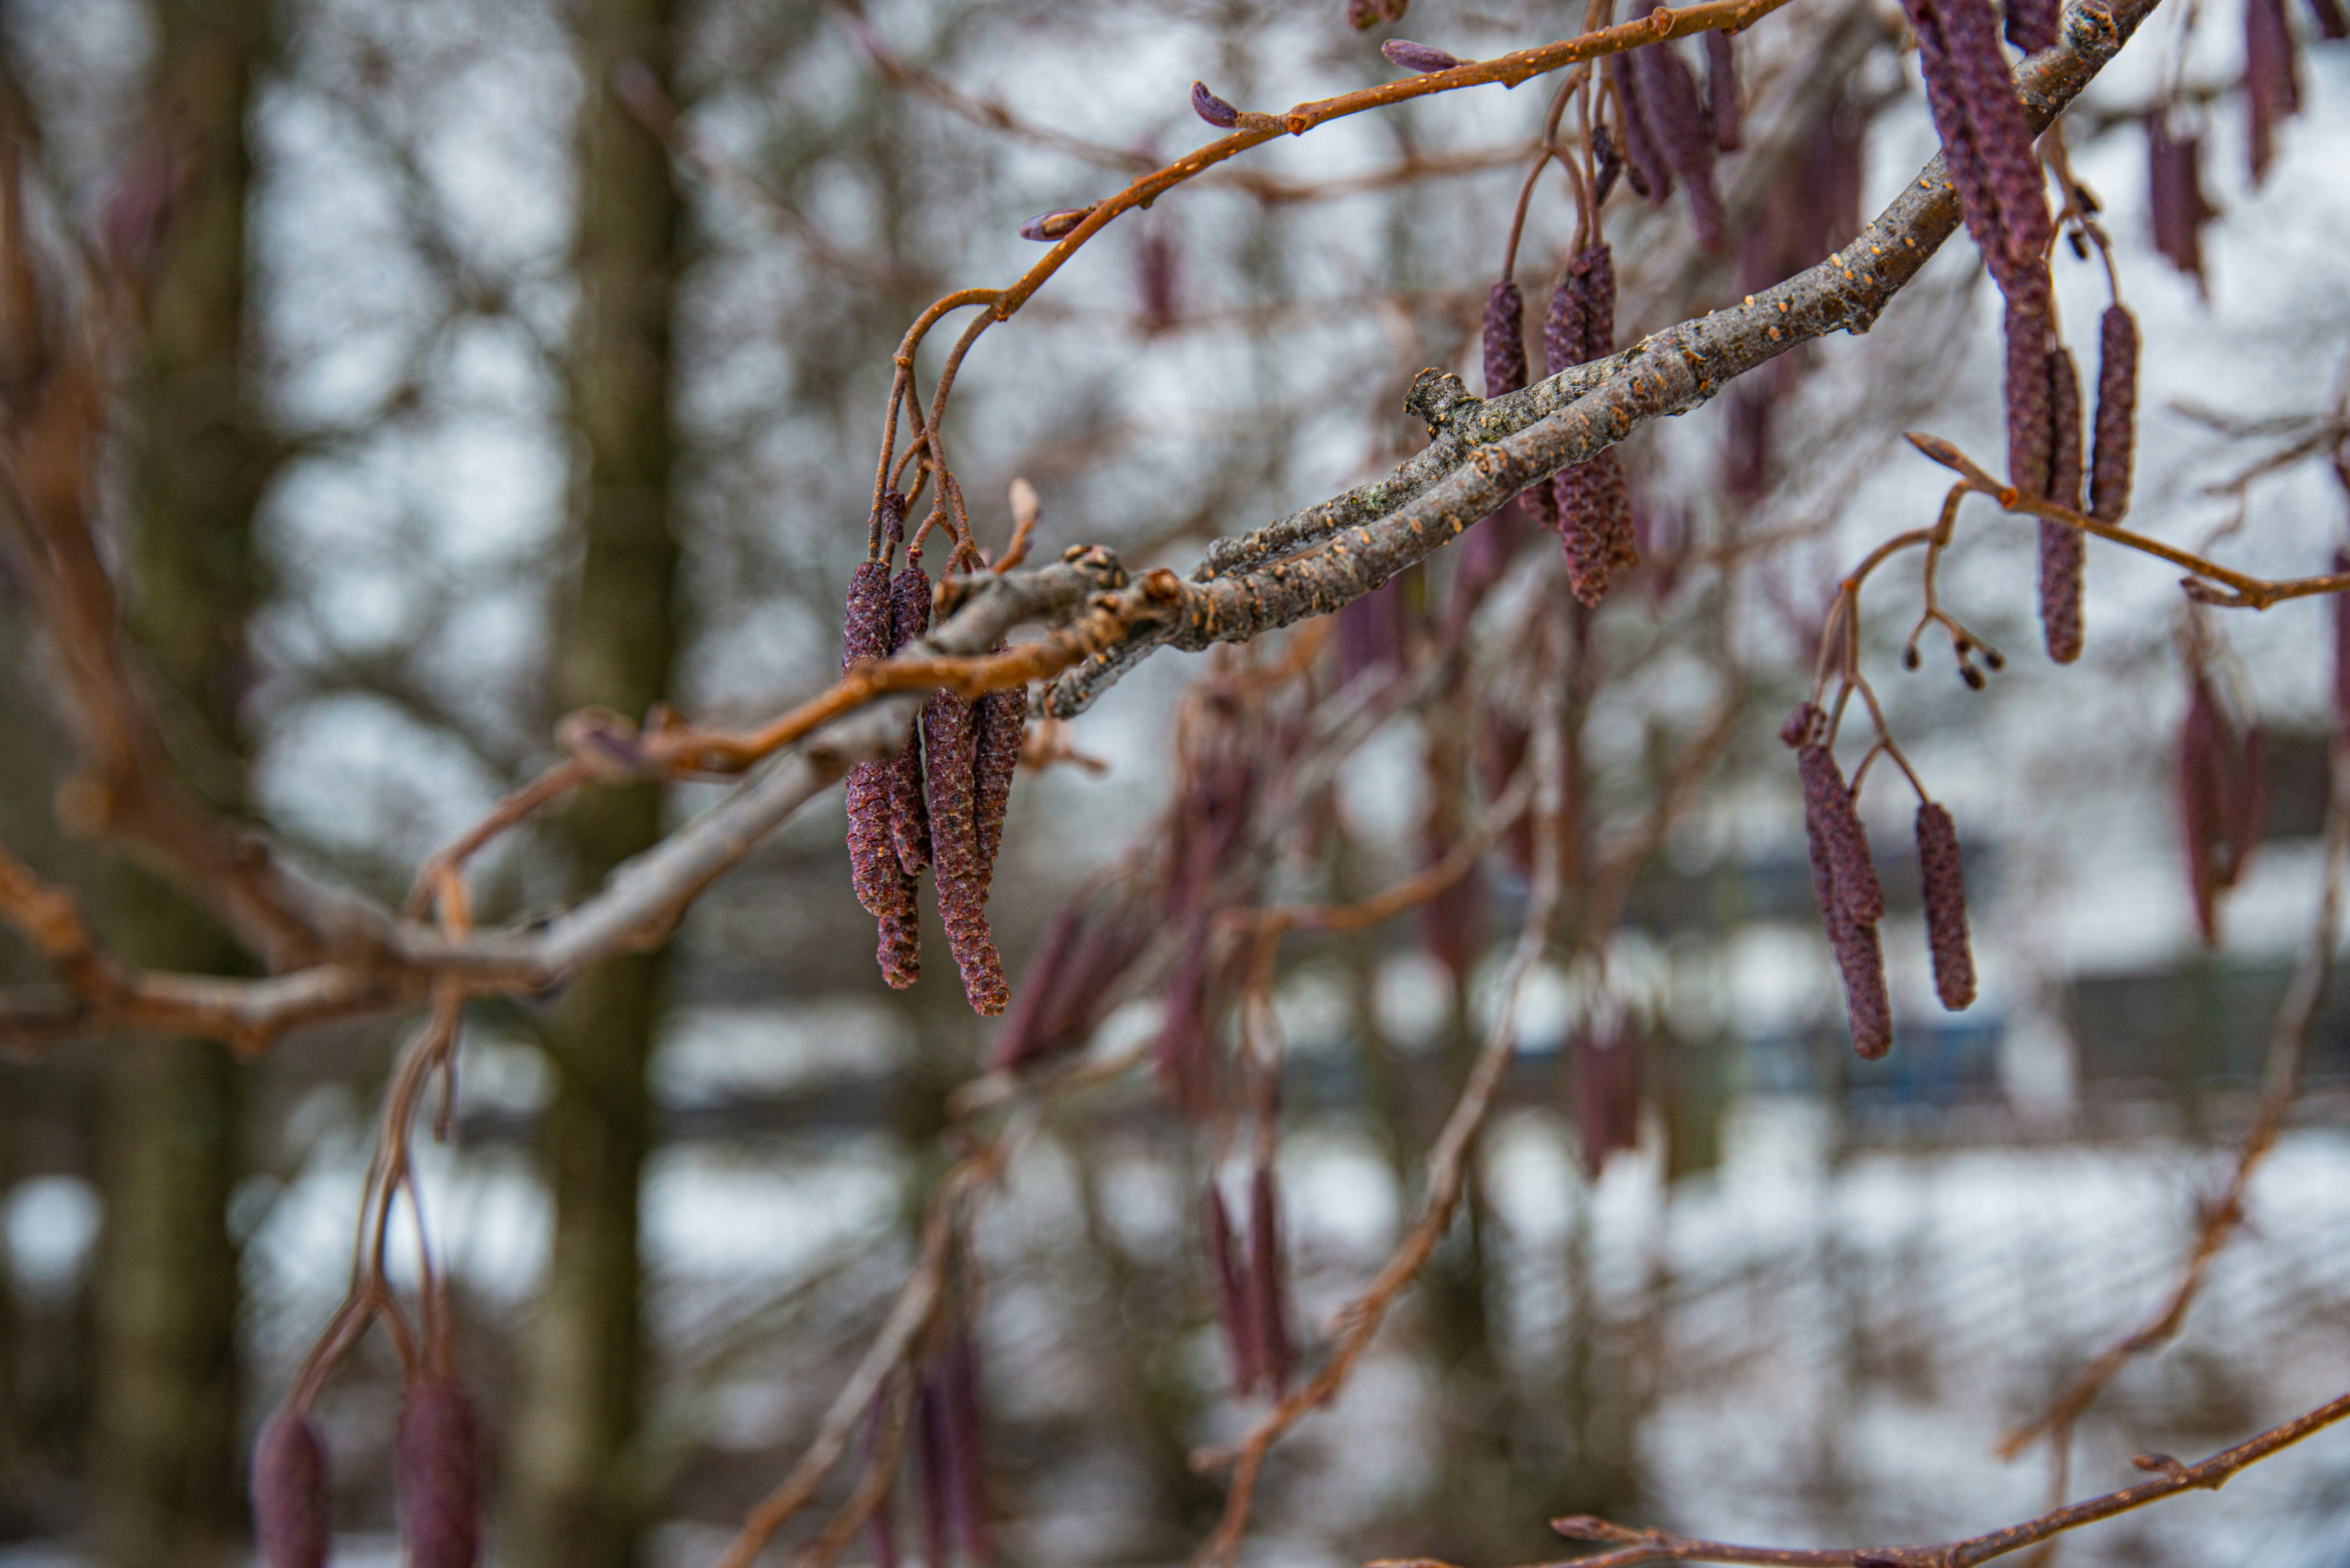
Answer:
(573, 1502)
(164, 1464)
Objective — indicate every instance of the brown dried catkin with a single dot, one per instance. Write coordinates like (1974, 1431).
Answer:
(2116, 438)
(2061, 546)
(290, 1525)
(439, 1483)
(1943, 881)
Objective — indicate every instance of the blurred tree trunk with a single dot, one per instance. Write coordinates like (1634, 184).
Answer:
(165, 1432)
(573, 1504)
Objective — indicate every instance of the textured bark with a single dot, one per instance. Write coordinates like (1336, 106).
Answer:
(583, 1386)
(164, 1446)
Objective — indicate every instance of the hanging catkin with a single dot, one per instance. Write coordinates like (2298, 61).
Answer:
(950, 759)
(1594, 508)
(2061, 546)
(439, 1477)
(290, 1525)
(2116, 438)
(1943, 883)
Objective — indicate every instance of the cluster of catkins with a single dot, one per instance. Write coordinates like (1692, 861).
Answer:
(1364, 15)
(2177, 205)
(1252, 1297)
(948, 1443)
(939, 805)
(1986, 153)
(2222, 794)
(1589, 503)
(1852, 902)
(1672, 129)
(438, 1480)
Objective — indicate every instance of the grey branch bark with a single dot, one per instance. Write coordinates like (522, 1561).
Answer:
(1312, 563)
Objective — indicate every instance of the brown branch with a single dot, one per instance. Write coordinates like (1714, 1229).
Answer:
(2280, 1087)
(1484, 453)
(1635, 1546)
(2243, 592)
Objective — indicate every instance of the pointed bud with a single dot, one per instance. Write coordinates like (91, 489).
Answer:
(1054, 225)
(1420, 57)
(1211, 109)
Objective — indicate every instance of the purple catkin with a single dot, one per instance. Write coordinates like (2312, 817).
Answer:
(966, 1433)
(1943, 881)
(2176, 209)
(1505, 340)
(1211, 109)
(1370, 632)
(1393, 10)
(1268, 1277)
(1232, 1295)
(937, 1478)
(2272, 79)
(290, 1523)
(2223, 800)
(2031, 415)
(874, 871)
(1362, 14)
(1420, 57)
(1645, 164)
(1505, 372)
(1721, 90)
(2200, 815)
(1676, 119)
(1003, 722)
(1605, 1066)
(1986, 142)
(1606, 164)
(439, 1483)
(2341, 651)
(2333, 18)
(1185, 1054)
(909, 827)
(2117, 423)
(1100, 960)
(2031, 25)
(1832, 821)
(1860, 959)
(899, 953)
(2061, 546)
(1594, 503)
(949, 756)
(1022, 1039)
